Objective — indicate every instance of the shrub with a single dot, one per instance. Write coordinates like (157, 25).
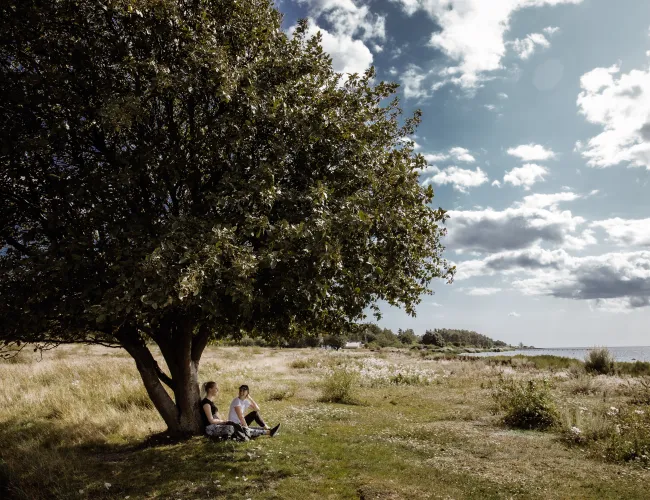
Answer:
(334, 341)
(302, 363)
(246, 342)
(617, 434)
(281, 393)
(636, 368)
(638, 391)
(583, 385)
(408, 379)
(387, 339)
(431, 337)
(527, 404)
(407, 337)
(599, 360)
(340, 386)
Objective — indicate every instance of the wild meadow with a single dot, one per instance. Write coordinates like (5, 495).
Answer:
(77, 423)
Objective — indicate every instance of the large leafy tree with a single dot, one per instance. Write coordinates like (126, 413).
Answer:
(175, 171)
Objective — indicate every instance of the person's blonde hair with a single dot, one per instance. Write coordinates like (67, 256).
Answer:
(207, 386)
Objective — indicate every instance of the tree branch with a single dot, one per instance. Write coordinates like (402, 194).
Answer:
(164, 377)
(17, 245)
(199, 342)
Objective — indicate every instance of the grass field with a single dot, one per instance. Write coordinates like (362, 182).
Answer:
(77, 424)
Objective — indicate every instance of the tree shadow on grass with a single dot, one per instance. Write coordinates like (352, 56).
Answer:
(47, 460)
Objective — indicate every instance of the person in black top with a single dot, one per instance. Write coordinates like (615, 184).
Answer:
(209, 411)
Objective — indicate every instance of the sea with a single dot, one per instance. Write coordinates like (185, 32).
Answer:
(632, 353)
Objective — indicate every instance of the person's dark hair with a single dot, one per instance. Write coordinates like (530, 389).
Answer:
(208, 385)
(244, 388)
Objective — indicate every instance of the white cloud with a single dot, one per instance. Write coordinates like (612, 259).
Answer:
(502, 95)
(612, 281)
(482, 291)
(406, 139)
(435, 157)
(514, 314)
(539, 200)
(413, 83)
(461, 179)
(531, 152)
(626, 232)
(526, 47)
(392, 71)
(496, 183)
(551, 30)
(457, 153)
(490, 107)
(525, 176)
(462, 154)
(472, 32)
(429, 169)
(622, 107)
(347, 18)
(615, 282)
(515, 228)
(512, 262)
(348, 55)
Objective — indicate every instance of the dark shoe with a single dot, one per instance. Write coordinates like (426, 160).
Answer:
(275, 430)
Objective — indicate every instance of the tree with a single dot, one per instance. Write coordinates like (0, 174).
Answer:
(433, 337)
(175, 172)
(386, 338)
(334, 341)
(407, 337)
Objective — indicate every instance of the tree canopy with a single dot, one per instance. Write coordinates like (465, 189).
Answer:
(180, 170)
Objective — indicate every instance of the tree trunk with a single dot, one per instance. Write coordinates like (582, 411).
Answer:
(148, 369)
(182, 351)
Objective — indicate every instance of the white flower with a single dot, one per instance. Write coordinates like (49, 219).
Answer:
(639, 412)
(107, 485)
(575, 431)
(612, 411)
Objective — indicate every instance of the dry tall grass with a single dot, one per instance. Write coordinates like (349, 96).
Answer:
(79, 419)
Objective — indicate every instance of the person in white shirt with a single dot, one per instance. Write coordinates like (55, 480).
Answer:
(237, 414)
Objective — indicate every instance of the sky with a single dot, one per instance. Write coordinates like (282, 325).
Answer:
(536, 131)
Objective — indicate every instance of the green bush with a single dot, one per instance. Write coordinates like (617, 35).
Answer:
(340, 386)
(638, 390)
(630, 440)
(617, 434)
(527, 404)
(599, 361)
(636, 368)
(281, 393)
(583, 384)
(246, 342)
(334, 341)
(543, 362)
(302, 363)
(433, 338)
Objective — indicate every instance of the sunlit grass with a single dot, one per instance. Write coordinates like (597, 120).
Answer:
(77, 424)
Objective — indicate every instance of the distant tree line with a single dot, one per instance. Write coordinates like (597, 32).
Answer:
(466, 338)
(373, 335)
